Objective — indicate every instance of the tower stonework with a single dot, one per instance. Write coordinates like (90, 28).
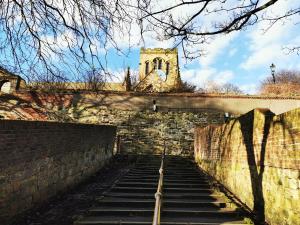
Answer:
(158, 70)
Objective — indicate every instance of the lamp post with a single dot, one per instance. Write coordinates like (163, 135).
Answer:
(272, 67)
(154, 106)
(226, 117)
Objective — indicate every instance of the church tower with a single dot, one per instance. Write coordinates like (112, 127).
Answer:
(158, 70)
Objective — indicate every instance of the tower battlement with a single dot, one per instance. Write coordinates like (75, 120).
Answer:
(158, 51)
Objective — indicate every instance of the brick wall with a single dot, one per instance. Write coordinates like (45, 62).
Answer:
(40, 159)
(257, 157)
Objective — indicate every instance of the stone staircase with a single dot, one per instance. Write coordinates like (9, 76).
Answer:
(188, 197)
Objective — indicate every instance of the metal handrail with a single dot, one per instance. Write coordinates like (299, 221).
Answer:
(158, 194)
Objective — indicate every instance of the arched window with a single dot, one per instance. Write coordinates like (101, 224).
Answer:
(157, 63)
(5, 86)
(167, 68)
(146, 67)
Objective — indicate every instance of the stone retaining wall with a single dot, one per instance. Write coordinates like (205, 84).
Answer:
(146, 131)
(140, 130)
(40, 159)
(257, 157)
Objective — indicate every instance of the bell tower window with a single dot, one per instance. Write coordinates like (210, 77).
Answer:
(159, 64)
(147, 68)
(167, 68)
(155, 64)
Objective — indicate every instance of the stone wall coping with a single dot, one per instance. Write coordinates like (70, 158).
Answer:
(260, 110)
(39, 123)
(200, 95)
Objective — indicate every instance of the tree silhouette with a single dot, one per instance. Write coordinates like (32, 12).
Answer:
(186, 21)
(66, 38)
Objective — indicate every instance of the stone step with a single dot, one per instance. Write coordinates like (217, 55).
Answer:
(182, 176)
(167, 196)
(197, 203)
(147, 166)
(167, 168)
(165, 221)
(172, 173)
(134, 189)
(141, 176)
(202, 220)
(174, 163)
(187, 180)
(183, 172)
(115, 220)
(166, 180)
(146, 180)
(206, 212)
(166, 173)
(192, 196)
(122, 211)
(166, 185)
(139, 170)
(187, 197)
(166, 190)
(148, 162)
(177, 177)
(166, 212)
(138, 174)
(213, 199)
(119, 202)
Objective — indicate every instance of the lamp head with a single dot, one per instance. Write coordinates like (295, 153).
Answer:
(272, 67)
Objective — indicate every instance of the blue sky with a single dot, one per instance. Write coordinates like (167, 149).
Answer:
(242, 58)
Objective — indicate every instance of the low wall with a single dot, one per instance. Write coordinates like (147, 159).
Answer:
(139, 128)
(257, 157)
(40, 159)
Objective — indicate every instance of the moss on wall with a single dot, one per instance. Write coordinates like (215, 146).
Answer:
(257, 157)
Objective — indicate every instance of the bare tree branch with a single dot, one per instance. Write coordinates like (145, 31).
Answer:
(56, 37)
(185, 21)
(63, 39)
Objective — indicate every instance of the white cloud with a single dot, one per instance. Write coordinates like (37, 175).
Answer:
(232, 52)
(261, 50)
(201, 77)
(118, 75)
(266, 47)
(215, 48)
(197, 76)
(263, 57)
(57, 44)
(224, 77)
(154, 39)
(249, 88)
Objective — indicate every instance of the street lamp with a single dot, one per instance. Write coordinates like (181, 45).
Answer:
(272, 67)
